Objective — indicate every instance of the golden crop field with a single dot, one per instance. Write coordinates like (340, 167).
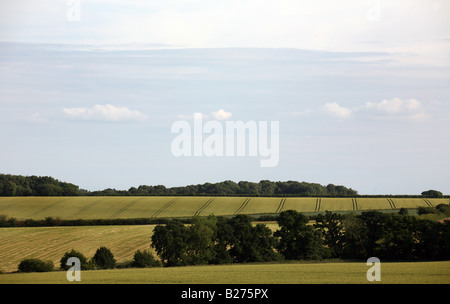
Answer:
(50, 243)
(112, 207)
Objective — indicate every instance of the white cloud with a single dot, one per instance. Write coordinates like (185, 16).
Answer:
(410, 108)
(104, 113)
(336, 110)
(395, 106)
(222, 115)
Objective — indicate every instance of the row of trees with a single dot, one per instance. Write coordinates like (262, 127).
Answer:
(262, 188)
(6, 221)
(214, 240)
(17, 185)
(102, 259)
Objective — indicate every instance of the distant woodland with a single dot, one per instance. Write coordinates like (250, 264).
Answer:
(18, 185)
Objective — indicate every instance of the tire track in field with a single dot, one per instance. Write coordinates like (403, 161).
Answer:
(244, 204)
(85, 208)
(318, 203)
(427, 201)
(121, 210)
(391, 203)
(45, 208)
(281, 205)
(355, 204)
(167, 205)
(203, 207)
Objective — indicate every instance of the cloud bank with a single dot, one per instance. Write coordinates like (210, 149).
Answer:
(106, 112)
(396, 107)
(334, 109)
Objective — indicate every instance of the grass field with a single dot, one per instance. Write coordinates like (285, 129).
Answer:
(291, 273)
(50, 243)
(95, 207)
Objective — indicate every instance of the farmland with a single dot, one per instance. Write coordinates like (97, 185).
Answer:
(50, 243)
(284, 273)
(127, 207)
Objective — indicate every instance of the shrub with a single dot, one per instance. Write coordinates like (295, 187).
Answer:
(35, 265)
(73, 253)
(104, 259)
(144, 259)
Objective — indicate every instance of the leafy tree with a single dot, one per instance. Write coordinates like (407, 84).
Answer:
(223, 240)
(73, 253)
(104, 259)
(372, 231)
(201, 240)
(170, 243)
(428, 246)
(427, 210)
(144, 259)
(332, 230)
(35, 265)
(248, 243)
(265, 244)
(267, 188)
(403, 211)
(354, 238)
(398, 237)
(297, 240)
(432, 194)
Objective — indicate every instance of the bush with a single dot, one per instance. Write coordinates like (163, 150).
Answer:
(144, 259)
(35, 265)
(432, 194)
(73, 253)
(104, 259)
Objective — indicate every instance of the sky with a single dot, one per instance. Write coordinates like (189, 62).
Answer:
(90, 90)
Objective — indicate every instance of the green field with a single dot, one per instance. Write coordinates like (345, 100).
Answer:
(126, 207)
(289, 273)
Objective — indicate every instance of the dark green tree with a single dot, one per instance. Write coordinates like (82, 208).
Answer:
(354, 238)
(331, 226)
(201, 241)
(432, 194)
(373, 230)
(73, 253)
(398, 240)
(35, 265)
(104, 259)
(403, 211)
(224, 239)
(170, 242)
(248, 243)
(142, 259)
(297, 240)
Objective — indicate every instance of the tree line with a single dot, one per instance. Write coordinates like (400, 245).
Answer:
(17, 185)
(393, 236)
(49, 221)
(102, 259)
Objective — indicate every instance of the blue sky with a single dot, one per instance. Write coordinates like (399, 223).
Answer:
(360, 90)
